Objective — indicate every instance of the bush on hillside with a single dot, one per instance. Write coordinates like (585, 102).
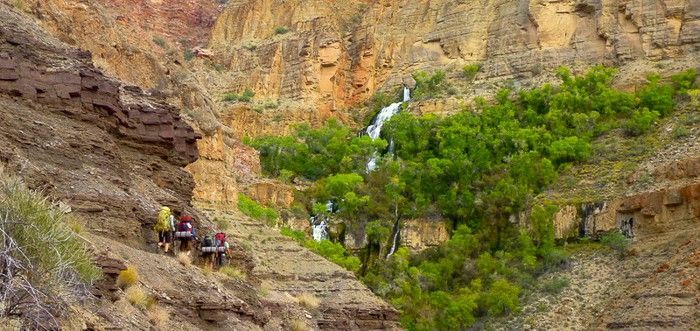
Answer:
(46, 267)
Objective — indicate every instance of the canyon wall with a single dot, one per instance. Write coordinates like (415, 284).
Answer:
(309, 60)
(338, 53)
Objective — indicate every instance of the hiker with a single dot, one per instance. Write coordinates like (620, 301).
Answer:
(165, 225)
(185, 233)
(208, 249)
(223, 249)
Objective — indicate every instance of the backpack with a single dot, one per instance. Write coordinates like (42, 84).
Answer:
(208, 242)
(220, 239)
(184, 227)
(162, 223)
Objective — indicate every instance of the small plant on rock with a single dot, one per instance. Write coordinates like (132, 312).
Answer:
(616, 240)
(308, 300)
(128, 277)
(281, 30)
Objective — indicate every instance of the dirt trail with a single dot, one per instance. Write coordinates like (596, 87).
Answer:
(287, 268)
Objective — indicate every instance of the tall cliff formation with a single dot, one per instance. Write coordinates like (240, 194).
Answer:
(309, 60)
(340, 52)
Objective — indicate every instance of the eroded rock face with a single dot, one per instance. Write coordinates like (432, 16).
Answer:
(643, 213)
(114, 153)
(419, 234)
(340, 52)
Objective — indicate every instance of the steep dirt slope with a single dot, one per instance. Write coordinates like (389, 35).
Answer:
(286, 268)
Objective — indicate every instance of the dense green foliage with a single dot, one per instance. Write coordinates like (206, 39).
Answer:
(477, 168)
(334, 252)
(254, 210)
(317, 153)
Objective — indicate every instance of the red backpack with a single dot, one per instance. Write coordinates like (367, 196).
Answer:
(220, 239)
(184, 226)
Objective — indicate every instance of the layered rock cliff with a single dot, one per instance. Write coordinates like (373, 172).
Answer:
(111, 154)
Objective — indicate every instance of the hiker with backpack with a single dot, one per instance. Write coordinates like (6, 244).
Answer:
(165, 225)
(214, 249)
(185, 233)
(223, 248)
(208, 250)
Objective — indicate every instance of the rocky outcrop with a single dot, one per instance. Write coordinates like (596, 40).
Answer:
(646, 212)
(419, 234)
(114, 153)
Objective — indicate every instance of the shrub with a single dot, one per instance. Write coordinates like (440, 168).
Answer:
(232, 272)
(137, 297)
(680, 131)
(265, 288)
(308, 300)
(429, 86)
(158, 40)
(471, 70)
(501, 298)
(615, 240)
(230, 97)
(250, 46)
(128, 277)
(246, 96)
(281, 30)
(641, 122)
(45, 265)
(188, 54)
(569, 149)
(254, 210)
(556, 285)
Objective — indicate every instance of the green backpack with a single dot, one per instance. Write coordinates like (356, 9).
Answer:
(162, 224)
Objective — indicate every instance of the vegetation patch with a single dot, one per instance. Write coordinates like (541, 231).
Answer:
(128, 277)
(46, 266)
(477, 168)
(281, 30)
(245, 96)
(334, 252)
(256, 211)
(232, 272)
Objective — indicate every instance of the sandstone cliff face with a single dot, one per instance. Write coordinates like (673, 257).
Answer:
(338, 53)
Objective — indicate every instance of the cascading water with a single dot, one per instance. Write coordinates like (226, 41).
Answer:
(375, 129)
(319, 223)
(395, 241)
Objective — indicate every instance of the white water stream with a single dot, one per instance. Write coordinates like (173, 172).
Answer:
(375, 129)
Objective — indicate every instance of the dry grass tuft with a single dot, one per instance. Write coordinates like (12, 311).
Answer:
(158, 316)
(232, 272)
(139, 298)
(299, 325)
(184, 259)
(308, 300)
(128, 277)
(265, 287)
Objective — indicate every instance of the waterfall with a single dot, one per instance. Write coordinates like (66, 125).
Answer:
(395, 241)
(375, 129)
(319, 223)
(320, 229)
